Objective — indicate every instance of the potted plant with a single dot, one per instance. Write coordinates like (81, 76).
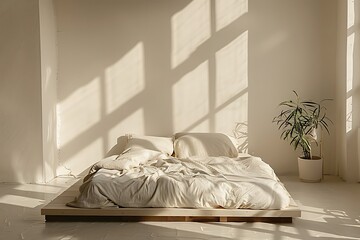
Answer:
(300, 122)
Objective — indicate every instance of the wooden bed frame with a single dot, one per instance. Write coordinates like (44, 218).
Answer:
(56, 210)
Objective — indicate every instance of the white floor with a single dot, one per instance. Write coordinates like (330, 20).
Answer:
(331, 210)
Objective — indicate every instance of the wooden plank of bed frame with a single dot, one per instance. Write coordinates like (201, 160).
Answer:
(60, 218)
(56, 210)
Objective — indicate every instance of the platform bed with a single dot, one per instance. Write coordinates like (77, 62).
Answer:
(207, 159)
(57, 211)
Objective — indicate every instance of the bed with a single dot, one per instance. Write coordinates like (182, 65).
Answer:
(189, 177)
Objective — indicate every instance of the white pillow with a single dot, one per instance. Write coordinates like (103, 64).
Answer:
(160, 144)
(203, 145)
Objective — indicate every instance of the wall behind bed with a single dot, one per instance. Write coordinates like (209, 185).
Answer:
(20, 92)
(28, 150)
(159, 67)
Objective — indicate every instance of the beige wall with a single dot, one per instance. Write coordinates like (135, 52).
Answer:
(28, 63)
(291, 48)
(20, 92)
(159, 67)
(48, 45)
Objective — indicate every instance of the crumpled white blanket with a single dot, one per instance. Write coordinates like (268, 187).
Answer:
(160, 181)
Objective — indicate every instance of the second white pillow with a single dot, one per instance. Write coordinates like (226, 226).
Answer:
(160, 144)
(203, 145)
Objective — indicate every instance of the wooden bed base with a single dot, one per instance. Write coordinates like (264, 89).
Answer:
(56, 210)
(63, 218)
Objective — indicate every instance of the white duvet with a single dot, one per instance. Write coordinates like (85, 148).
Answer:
(154, 180)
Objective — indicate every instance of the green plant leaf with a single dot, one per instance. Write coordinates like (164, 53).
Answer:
(298, 118)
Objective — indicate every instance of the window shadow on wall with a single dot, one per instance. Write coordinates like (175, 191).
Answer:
(147, 68)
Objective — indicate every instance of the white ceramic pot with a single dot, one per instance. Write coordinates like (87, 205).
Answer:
(310, 170)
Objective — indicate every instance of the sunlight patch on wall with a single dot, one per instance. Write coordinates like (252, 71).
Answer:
(228, 11)
(191, 97)
(80, 111)
(236, 111)
(350, 62)
(125, 78)
(82, 159)
(190, 27)
(232, 69)
(21, 201)
(349, 118)
(350, 13)
(132, 124)
(349, 80)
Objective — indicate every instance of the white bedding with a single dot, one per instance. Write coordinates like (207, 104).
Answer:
(161, 181)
